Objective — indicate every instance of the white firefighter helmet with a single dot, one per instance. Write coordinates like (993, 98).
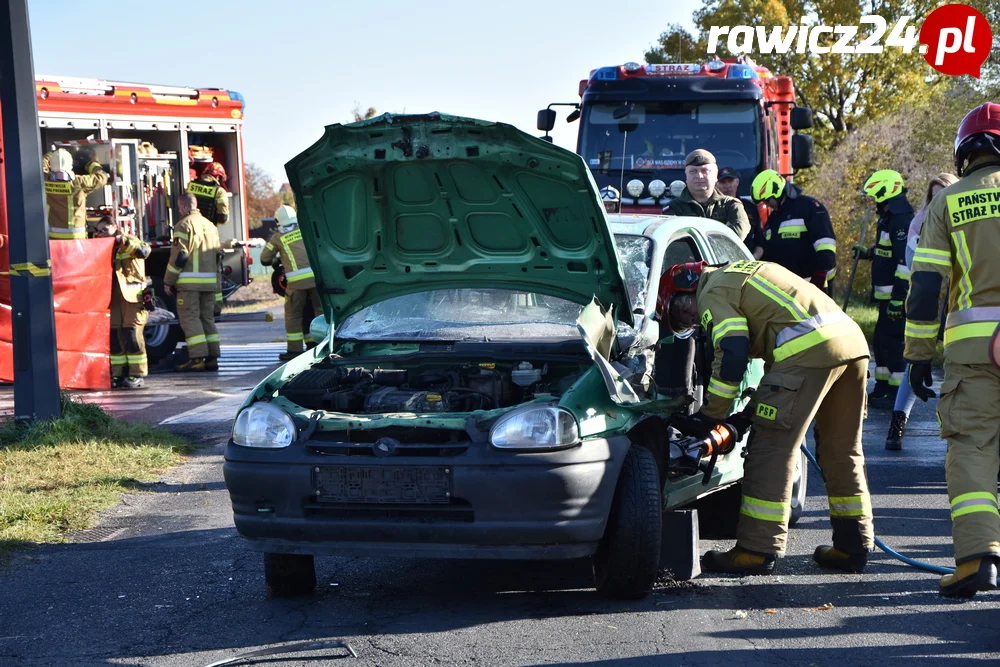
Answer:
(60, 160)
(286, 217)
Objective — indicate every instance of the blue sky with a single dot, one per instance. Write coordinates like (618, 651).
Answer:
(303, 65)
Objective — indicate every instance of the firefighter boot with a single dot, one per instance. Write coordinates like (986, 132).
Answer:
(288, 356)
(133, 382)
(894, 441)
(211, 363)
(737, 561)
(972, 576)
(834, 559)
(193, 364)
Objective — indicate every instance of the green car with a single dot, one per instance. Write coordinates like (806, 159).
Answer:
(487, 382)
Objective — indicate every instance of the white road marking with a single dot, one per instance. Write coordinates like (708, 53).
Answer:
(220, 410)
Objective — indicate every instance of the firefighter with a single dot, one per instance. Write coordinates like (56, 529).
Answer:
(66, 192)
(286, 242)
(816, 366)
(213, 200)
(798, 234)
(959, 239)
(193, 268)
(890, 280)
(729, 185)
(128, 309)
(701, 198)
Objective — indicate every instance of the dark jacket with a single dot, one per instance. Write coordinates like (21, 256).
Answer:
(799, 236)
(727, 210)
(890, 276)
(755, 239)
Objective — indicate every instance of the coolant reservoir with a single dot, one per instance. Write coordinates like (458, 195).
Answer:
(525, 374)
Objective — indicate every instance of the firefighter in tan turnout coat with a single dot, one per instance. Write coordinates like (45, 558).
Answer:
(816, 364)
(286, 246)
(959, 239)
(194, 269)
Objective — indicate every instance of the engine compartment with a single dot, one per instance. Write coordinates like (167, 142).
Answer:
(340, 385)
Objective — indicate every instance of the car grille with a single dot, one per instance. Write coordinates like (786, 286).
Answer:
(433, 442)
(458, 511)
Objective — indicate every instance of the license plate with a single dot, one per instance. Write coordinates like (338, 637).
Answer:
(383, 484)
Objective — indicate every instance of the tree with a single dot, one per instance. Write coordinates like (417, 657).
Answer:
(360, 115)
(842, 89)
(675, 45)
(262, 200)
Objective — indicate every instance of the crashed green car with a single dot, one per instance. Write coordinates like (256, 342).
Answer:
(487, 385)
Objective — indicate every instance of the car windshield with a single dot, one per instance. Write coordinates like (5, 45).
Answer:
(636, 256)
(658, 135)
(464, 314)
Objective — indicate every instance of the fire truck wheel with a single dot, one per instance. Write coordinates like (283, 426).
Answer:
(628, 556)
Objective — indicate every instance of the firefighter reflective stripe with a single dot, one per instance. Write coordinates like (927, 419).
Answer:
(775, 294)
(269, 245)
(850, 505)
(931, 256)
(984, 314)
(172, 269)
(807, 334)
(765, 510)
(299, 336)
(896, 379)
(972, 330)
(825, 243)
(977, 501)
(831, 273)
(884, 240)
(881, 373)
(181, 235)
(67, 232)
(197, 340)
(717, 387)
(812, 324)
(903, 272)
(218, 296)
(131, 289)
(915, 330)
(136, 359)
(195, 277)
(728, 326)
(300, 274)
(793, 226)
(118, 360)
(964, 300)
(212, 338)
(883, 292)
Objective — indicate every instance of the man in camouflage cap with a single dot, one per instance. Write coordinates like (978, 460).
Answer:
(701, 198)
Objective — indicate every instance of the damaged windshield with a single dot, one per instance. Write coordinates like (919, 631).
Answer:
(459, 314)
(635, 253)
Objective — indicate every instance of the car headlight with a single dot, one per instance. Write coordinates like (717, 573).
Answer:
(546, 427)
(657, 188)
(635, 187)
(264, 426)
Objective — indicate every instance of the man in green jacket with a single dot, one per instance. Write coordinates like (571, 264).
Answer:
(701, 198)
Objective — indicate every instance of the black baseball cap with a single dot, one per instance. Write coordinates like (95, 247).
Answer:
(728, 172)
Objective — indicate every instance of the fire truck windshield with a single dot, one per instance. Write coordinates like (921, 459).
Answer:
(656, 136)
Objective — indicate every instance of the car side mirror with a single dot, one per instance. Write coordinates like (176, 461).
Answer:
(546, 120)
(802, 151)
(801, 118)
(573, 115)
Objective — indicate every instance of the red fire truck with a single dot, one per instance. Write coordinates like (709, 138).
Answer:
(153, 140)
(638, 122)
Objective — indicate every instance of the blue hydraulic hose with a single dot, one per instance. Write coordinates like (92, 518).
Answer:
(920, 565)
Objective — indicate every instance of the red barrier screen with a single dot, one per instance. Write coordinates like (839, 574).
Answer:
(81, 283)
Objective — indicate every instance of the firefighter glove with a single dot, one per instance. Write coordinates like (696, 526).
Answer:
(894, 310)
(697, 425)
(919, 377)
(861, 252)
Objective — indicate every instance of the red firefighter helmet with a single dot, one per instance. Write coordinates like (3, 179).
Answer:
(979, 130)
(678, 279)
(217, 170)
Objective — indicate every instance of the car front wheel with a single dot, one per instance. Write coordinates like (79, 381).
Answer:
(287, 575)
(628, 558)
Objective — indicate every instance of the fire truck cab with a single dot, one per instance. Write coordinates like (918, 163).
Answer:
(638, 122)
(152, 141)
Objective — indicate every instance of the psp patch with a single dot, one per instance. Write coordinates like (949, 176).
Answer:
(768, 412)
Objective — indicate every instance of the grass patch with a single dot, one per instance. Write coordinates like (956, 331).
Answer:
(258, 295)
(55, 475)
(867, 315)
(252, 306)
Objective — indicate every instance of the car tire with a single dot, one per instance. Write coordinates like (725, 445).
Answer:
(799, 482)
(288, 575)
(628, 557)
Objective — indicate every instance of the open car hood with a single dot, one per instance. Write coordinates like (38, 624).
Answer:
(401, 204)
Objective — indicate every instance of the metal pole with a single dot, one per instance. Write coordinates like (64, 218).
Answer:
(36, 370)
(854, 268)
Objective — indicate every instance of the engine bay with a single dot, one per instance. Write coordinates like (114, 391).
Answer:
(427, 387)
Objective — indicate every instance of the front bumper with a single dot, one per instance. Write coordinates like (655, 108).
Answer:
(548, 505)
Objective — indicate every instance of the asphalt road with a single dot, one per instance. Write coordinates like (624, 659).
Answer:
(165, 580)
